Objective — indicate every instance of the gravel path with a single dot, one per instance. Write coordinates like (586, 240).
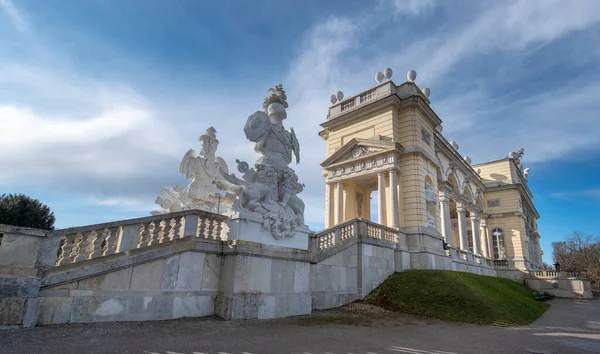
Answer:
(569, 326)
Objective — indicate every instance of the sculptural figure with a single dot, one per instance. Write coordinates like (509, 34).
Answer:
(270, 187)
(431, 200)
(517, 156)
(204, 172)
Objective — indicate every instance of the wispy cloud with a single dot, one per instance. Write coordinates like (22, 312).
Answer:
(591, 193)
(413, 7)
(14, 16)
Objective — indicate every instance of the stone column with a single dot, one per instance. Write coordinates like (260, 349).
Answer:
(475, 232)
(446, 223)
(394, 198)
(381, 197)
(331, 207)
(485, 237)
(462, 225)
(339, 203)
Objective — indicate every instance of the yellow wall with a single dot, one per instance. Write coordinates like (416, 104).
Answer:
(513, 228)
(379, 123)
(509, 201)
(498, 171)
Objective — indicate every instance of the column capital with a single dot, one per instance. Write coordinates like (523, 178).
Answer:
(461, 205)
(474, 215)
(393, 171)
(483, 222)
(443, 197)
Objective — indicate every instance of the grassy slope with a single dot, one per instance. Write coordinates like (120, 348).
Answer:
(457, 296)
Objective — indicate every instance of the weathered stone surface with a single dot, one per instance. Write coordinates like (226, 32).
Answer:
(147, 276)
(54, 310)
(19, 286)
(193, 306)
(12, 310)
(191, 267)
(118, 280)
(266, 307)
(170, 270)
(149, 308)
(98, 309)
(19, 250)
(212, 272)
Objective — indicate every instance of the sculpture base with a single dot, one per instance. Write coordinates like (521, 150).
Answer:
(248, 227)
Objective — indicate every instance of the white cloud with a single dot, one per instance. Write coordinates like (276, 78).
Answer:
(413, 7)
(592, 193)
(14, 15)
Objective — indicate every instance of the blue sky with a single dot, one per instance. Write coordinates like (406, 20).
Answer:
(100, 99)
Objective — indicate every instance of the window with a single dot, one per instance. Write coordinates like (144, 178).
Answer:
(470, 239)
(426, 136)
(498, 243)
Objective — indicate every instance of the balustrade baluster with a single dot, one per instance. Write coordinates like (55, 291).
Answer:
(111, 241)
(154, 230)
(81, 243)
(218, 230)
(165, 230)
(66, 249)
(211, 228)
(201, 226)
(98, 240)
(177, 229)
(144, 234)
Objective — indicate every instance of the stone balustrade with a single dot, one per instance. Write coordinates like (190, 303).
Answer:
(500, 263)
(340, 233)
(72, 245)
(556, 274)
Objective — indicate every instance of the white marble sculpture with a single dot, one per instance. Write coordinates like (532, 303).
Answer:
(203, 171)
(517, 156)
(270, 187)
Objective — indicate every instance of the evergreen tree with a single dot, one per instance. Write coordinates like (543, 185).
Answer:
(21, 210)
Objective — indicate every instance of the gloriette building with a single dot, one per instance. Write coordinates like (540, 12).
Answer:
(387, 142)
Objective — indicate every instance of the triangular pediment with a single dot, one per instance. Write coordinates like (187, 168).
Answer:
(357, 149)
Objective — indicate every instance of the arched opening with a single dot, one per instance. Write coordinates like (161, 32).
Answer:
(498, 247)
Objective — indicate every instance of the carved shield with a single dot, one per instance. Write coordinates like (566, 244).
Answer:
(257, 126)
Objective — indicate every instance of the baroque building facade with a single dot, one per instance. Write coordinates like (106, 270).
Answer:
(387, 142)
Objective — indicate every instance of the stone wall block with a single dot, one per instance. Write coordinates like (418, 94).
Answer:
(289, 274)
(147, 276)
(170, 270)
(54, 310)
(302, 277)
(212, 272)
(193, 306)
(191, 268)
(12, 310)
(276, 276)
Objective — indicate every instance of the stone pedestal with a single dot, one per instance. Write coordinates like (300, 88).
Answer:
(249, 227)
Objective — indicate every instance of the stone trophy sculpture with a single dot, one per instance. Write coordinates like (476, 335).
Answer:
(204, 172)
(270, 188)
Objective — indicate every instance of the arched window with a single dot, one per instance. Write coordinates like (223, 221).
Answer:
(498, 243)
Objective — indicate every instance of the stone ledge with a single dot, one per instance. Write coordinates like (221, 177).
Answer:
(27, 231)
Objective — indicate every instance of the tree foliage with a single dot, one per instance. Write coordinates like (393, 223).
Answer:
(579, 252)
(21, 210)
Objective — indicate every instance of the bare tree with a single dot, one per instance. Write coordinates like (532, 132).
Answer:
(579, 252)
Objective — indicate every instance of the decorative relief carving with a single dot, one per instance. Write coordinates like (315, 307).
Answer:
(431, 199)
(493, 203)
(359, 203)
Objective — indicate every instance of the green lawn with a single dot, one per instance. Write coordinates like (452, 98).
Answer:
(458, 296)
